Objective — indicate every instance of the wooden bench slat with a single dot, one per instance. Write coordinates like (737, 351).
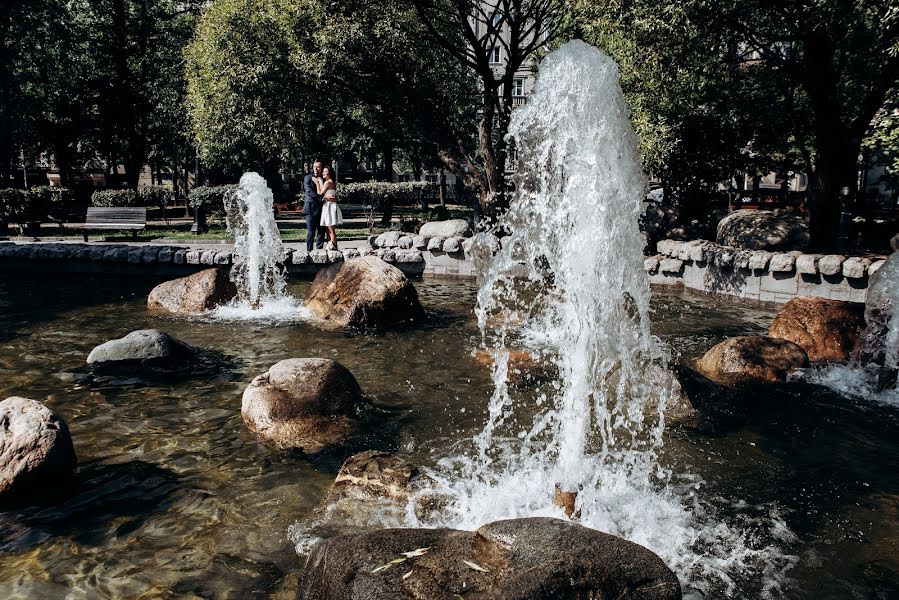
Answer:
(133, 219)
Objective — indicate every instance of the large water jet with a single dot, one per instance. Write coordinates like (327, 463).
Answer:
(572, 265)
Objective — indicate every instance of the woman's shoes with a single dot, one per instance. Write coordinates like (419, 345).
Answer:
(331, 246)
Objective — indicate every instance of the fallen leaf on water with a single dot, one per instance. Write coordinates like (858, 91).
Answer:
(475, 566)
(406, 576)
(414, 553)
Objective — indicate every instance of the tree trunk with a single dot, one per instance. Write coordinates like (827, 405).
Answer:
(387, 175)
(441, 186)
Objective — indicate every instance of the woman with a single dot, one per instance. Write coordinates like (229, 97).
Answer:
(331, 215)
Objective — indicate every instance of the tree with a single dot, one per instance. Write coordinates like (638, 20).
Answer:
(471, 31)
(269, 82)
(816, 72)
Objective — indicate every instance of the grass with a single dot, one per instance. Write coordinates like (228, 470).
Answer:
(293, 230)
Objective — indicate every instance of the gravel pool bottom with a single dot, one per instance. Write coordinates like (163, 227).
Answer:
(175, 499)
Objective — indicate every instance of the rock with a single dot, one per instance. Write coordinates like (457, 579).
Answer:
(446, 229)
(782, 263)
(364, 291)
(145, 350)
(373, 474)
(405, 242)
(453, 244)
(436, 243)
(523, 367)
(536, 558)
(827, 330)
(319, 256)
(193, 294)
(752, 357)
(409, 256)
(807, 264)
(763, 230)
(855, 267)
(759, 260)
(308, 404)
(883, 288)
(481, 248)
(831, 264)
(420, 242)
(300, 257)
(651, 264)
(389, 239)
(37, 458)
(671, 265)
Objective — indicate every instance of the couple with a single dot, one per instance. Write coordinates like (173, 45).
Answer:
(320, 207)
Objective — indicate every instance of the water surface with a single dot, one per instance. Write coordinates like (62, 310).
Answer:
(175, 499)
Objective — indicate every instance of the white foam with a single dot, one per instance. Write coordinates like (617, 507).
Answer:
(573, 228)
(283, 310)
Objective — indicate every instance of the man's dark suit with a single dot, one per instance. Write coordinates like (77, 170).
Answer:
(312, 208)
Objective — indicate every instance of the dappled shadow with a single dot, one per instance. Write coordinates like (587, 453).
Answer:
(100, 494)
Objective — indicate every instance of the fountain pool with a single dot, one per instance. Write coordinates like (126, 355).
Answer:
(177, 499)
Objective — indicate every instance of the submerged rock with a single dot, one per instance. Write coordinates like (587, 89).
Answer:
(145, 351)
(763, 230)
(880, 305)
(193, 294)
(827, 330)
(307, 404)
(37, 458)
(752, 358)
(518, 559)
(364, 291)
(446, 229)
(708, 405)
(523, 368)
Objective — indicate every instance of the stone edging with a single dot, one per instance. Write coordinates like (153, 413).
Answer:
(759, 274)
(450, 258)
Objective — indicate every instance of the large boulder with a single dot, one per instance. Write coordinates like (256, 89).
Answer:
(763, 230)
(142, 352)
(446, 229)
(193, 294)
(880, 304)
(364, 291)
(518, 559)
(522, 368)
(752, 358)
(307, 404)
(37, 458)
(827, 330)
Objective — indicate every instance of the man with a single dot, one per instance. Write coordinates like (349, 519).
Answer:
(312, 208)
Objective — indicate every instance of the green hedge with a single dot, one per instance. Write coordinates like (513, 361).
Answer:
(41, 203)
(155, 196)
(115, 198)
(376, 193)
(211, 198)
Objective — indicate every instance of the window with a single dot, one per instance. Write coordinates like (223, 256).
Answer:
(518, 87)
(496, 54)
(497, 18)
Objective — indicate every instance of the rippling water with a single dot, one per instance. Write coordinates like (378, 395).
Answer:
(175, 499)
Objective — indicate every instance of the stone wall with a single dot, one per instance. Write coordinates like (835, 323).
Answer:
(760, 275)
(163, 258)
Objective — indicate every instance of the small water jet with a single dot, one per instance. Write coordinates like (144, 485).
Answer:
(258, 251)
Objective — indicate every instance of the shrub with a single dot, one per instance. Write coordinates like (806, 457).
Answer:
(210, 198)
(155, 195)
(13, 205)
(114, 198)
(49, 202)
(379, 193)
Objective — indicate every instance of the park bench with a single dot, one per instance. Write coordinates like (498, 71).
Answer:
(115, 219)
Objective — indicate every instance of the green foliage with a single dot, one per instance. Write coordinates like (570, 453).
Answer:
(115, 198)
(210, 198)
(13, 205)
(378, 193)
(155, 195)
(246, 92)
(50, 202)
(882, 142)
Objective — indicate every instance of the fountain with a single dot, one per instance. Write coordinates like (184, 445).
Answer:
(568, 287)
(258, 250)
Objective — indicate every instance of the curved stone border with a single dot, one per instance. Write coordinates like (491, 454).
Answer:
(759, 274)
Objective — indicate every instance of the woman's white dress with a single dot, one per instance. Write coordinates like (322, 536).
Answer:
(331, 214)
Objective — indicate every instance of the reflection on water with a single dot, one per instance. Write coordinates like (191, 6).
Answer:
(175, 498)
